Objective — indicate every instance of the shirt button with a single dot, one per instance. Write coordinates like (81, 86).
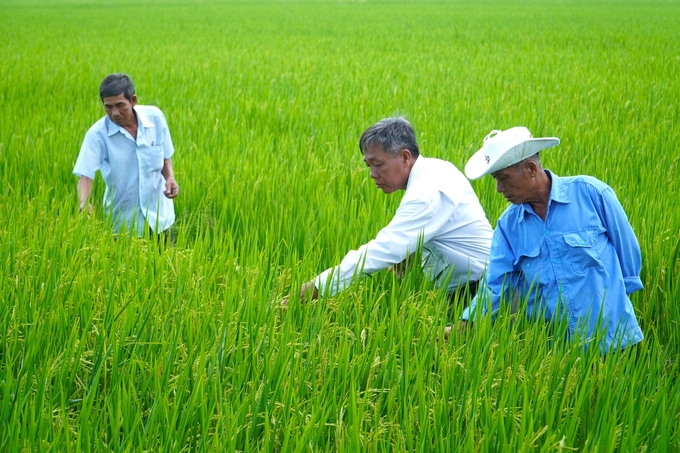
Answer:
(583, 242)
(547, 232)
(528, 265)
(555, 260)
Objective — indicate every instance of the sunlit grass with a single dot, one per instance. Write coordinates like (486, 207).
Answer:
(117, 345)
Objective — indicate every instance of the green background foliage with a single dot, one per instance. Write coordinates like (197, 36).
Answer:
(112, 345)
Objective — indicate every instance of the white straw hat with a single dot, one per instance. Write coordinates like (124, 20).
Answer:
(505, 148)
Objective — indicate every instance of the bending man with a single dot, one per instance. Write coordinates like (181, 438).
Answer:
(564, 245)
(439, 209)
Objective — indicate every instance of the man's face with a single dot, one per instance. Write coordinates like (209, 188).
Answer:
(515, 184)
(389, 173)
(119, 109)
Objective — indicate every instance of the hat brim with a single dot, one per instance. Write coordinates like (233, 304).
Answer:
(477, 166)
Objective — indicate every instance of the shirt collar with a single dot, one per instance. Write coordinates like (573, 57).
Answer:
(557, 194)
(557, 191)
(415, 170)
(142, 121)
(111, 127)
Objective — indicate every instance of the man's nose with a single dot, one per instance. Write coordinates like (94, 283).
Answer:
(499, 187)
(374, 174)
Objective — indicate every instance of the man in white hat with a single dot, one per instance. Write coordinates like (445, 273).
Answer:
(439, 210)
(564, 247)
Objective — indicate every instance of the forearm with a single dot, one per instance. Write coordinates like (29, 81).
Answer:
(171, 186)
(337, 278)
(84, 189)
(369, 258)
(412, 225)
(489, 299)
(167, 171)
(500, 279)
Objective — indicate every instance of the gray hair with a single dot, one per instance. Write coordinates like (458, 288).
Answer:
(394, 134)
(519, 166)
(115, 84)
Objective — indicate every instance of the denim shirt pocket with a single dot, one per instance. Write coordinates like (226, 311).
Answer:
(529, 264)
(582, 250)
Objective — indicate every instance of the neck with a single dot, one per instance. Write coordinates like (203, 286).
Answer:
(540, 204)
(131, 125)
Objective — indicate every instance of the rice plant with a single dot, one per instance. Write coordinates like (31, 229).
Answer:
(117, 344)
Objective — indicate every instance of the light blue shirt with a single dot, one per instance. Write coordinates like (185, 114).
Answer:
(582, 262)
(131, 168)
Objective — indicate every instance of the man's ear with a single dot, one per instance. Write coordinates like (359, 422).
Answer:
(532, 168)
(405, 155)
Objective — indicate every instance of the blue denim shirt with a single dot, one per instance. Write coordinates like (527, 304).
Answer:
(582, 262)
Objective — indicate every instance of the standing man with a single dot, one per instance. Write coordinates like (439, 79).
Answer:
(564, 245)
(439, 210)
(132, 148)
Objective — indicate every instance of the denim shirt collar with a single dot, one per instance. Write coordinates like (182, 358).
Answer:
(557, 194)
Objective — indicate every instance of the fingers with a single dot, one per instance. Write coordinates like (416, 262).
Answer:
(399, 269)
(447, 333)
(457, 329)
(462, 325)
(171, 192)
(310, 291)
(81, 209)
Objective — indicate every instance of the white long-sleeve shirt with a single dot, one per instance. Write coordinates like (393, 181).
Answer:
(441, 210)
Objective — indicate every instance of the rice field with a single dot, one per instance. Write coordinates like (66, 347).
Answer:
(115, 345)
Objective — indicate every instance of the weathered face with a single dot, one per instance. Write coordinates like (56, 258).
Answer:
(516, 185)
(389, 173)
(119, 109)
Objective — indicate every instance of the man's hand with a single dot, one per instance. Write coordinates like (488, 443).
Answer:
(81, 208)
(400, 269)
(308, 291)
(458, 328)
(171, 188)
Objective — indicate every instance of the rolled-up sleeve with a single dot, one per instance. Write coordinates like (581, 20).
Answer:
(623, 238)
(499, 282)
